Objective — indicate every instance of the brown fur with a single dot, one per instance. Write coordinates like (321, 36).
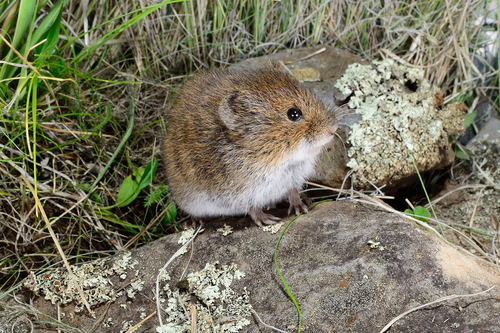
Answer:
(227, 127)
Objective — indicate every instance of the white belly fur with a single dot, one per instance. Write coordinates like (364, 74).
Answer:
(268, 188)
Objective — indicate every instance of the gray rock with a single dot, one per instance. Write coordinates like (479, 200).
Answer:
(352, 268)
(330, 63)
(490, 131)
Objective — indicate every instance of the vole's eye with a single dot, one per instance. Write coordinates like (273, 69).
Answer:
(294, 114)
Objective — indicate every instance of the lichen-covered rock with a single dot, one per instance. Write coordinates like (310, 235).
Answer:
(94, 279)
(403, 124)
(352, 268)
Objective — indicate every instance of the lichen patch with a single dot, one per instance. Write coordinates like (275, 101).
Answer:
(58, 286)
(273, 228)
(218, 307)
(225, 230)
(401, 119)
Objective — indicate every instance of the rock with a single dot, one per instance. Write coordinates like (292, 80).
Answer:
(490, 132)
(351, 267)
(330, 62)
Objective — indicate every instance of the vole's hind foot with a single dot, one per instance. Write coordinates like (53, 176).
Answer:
(260, 218)
(296, 203)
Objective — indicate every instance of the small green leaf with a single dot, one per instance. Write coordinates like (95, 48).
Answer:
(48, 47)
(111, 217)
(148, 174)
(137, 173)
(170, 214)
(96, 197)
(133, 184)
(462, 154)
(422, 212)
(469, 119)
(128, 192)
(49, 22)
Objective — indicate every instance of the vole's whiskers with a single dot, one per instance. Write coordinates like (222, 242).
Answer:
(341, 140)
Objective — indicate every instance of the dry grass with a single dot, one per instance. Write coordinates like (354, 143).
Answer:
(79, 126)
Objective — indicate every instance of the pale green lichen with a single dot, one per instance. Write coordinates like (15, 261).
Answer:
(399, 121)
(135, 287)
(184, 237)
(58, 286)
(126, 324)
(219, 308)
(225, 230)
(273, 228)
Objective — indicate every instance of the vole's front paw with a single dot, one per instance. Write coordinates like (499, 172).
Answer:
(296, 203)
(260, 218)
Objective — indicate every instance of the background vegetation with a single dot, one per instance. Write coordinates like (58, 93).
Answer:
(84, 85)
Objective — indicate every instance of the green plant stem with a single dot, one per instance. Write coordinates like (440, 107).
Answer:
(282, 278)
(128, 132)
(423, 187)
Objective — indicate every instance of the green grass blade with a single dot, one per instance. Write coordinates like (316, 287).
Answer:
(128, 132)
(423, 187)
(7, 17)
(25, 20)
(282, 278)
(50, 21)
(24, 23)
(34, 97)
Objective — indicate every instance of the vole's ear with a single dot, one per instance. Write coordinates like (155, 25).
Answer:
(230, 109)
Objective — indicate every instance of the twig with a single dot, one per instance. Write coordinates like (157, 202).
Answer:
(163, 269)
(315, 53)
(267, 325)
(376, 198)
(473, 215)
(30, 179)
(139, 324)
(128, 132)
(145, 229)
(410, 204)
(194, 316)
(446, 298)
(104, 170)
(371, 201)
(464, 187)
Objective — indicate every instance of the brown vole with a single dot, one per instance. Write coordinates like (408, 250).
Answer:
(240, 141)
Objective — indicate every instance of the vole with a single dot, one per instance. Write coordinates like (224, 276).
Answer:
(238, 141)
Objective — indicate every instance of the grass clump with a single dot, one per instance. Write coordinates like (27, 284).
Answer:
(59, 140)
